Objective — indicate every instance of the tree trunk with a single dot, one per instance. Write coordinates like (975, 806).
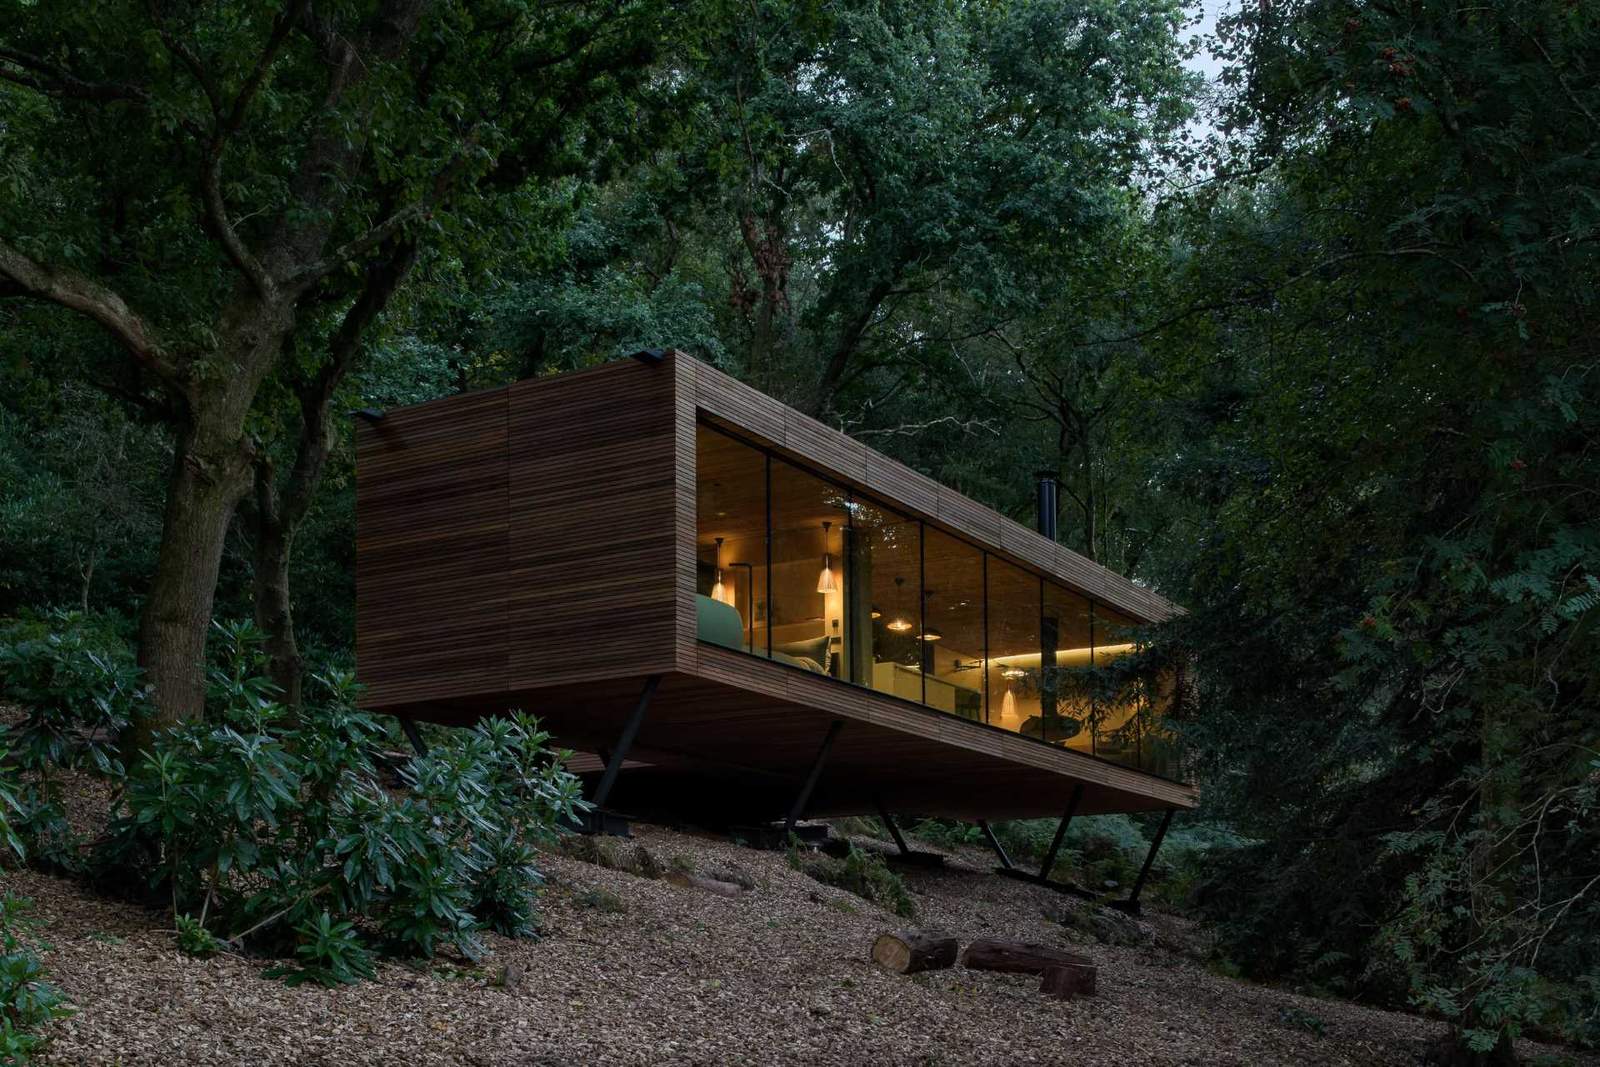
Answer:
(709, 885)
(1018, 957)
(278, 514)
(205, 486)
(908, 952)
(274, 608)
(1067, 981)
(86, 572)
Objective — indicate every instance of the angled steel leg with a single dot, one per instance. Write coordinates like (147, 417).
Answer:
(994, 843)
(630, 730)
(1131, 905)
(894, 831)
(414, 735)
(1061, 833)
(804, 797)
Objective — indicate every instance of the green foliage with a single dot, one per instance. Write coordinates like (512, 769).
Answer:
(275, 832)
(1382, 409)
(75, 680)
(1301, 1019)
(860, 872)
(27, 1001)
(329, 954)
(194, 939)
(79, 497)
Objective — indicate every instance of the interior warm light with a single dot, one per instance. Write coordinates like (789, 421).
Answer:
(931, 634)
(1013, 672)
(1008, 710)
(721, 591)
(899, 625)
(825, 581)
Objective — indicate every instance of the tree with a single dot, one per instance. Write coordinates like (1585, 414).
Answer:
(207, 184)
(849, 179)
(1385, 414)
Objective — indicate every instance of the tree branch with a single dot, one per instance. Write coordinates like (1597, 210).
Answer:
(55, 80)
(366, 242)
(88, 297)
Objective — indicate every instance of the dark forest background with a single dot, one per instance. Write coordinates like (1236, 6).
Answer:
(1314, 349)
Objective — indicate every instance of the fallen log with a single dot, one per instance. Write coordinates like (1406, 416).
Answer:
(1018, 957)
(710, 885)
(1067, 980)
(908, 952)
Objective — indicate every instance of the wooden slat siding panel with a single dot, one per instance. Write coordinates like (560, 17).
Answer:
(744, 408)
(899, 483)
(969, 518)
(727, 397)
(1032, 548)
(823, 445)
(431, 529)
(685, 437)
(593, 539)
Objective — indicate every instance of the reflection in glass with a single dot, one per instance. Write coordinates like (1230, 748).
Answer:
(1067, 636)
(952, 633)
(731, 545)
(885, 600)
(827, 581)
(1014, 649)
(809, 628)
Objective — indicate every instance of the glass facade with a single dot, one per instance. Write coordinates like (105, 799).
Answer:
(794, 567)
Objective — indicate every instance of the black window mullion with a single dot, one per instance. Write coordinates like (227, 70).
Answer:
(986, 643)
(1094, 690)
(922, 607)
(768, 474)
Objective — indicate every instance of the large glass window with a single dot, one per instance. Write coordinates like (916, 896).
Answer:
(1066, 704)
(809, 522)
(1122, 696)
(1014, 650)
(952, 633)
(731, 546)
(884, 600)
(820, 578)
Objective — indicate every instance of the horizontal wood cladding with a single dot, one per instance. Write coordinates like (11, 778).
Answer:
(744, 408)
(686, 509)
(593, 565)
(431, 538)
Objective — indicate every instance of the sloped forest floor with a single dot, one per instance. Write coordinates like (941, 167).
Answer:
(635, 969)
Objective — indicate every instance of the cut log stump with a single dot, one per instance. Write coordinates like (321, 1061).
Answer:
(1019, 957)
(709, 885)
(1065, 981)
(908, 952)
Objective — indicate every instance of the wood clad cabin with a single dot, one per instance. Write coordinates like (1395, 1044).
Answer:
(741, 608)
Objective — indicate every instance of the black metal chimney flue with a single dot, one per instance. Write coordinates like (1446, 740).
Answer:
(1047, 503)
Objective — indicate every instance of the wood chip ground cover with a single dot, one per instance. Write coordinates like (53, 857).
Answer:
(779, 974)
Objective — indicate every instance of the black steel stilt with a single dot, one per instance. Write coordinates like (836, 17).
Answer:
(894, 831)
(994, 843)
(804, 797)
(1061, 833)
(1131, 905)
(414, 735)
(630, 730)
